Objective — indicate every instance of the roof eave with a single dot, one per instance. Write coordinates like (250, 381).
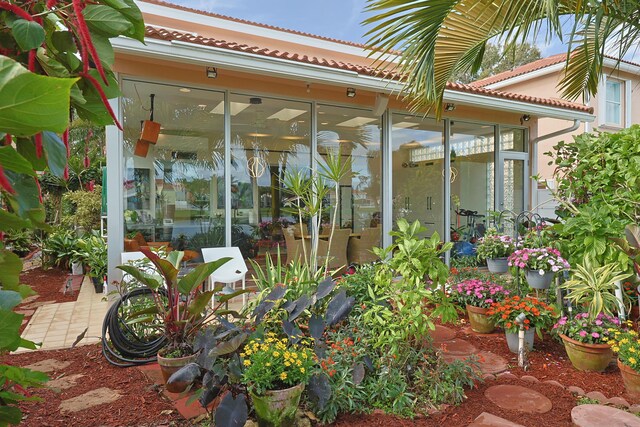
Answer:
(264, 65)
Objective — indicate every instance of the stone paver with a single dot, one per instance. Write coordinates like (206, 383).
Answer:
(64, 383)
(518, 398)
(599, 416)
(596, 395)
(89, 399)
(488, 363)
(442, 334)
(48, 365)
(576, 390)
(486, 419)
(458, 346)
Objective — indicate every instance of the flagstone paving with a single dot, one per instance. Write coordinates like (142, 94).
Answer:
(486, 419)
(518, 398)
(89, 399)
(599, 416)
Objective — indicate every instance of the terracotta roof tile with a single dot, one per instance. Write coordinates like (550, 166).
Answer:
(164, 34)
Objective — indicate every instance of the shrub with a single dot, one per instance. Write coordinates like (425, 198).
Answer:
(19, 241)
(82, 208)
(60, 248)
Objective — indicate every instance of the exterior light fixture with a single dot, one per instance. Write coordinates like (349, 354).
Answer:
(351, 92)
(526, 118)
(449, 106)
(212, 72)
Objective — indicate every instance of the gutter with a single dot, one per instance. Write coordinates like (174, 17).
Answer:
(534, 154)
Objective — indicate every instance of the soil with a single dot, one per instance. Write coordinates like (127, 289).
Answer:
(141, 404)
(477, 403)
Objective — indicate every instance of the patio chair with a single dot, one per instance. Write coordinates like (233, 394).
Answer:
(130, 258)
(337, 251)
(229, 273)
(360, 247)
(293, 245)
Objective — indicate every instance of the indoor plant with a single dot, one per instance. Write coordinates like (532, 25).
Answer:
(539, 316)
(627, 345)
(92, 252)
(275, 373)
(181, 305)
(495, 248)
(477, 296)
(585, 339)
(594, 287)
(540, 265)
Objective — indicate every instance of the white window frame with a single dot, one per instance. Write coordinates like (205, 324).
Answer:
(619, 104)
(625, 103)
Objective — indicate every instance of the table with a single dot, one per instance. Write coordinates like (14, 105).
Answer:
(326, 236)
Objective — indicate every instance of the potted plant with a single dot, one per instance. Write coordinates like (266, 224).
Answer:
(594, 288)
(585, 339)
(495, 248)
(539, 264)
(275, 373)
(92, 252)
(477, 296)
(182, 306)
(539, 316)
(627, 345)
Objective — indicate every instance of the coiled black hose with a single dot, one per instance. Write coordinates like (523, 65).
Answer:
(120, 344)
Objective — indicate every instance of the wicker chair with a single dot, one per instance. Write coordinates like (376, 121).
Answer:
(338, 250)
(297, 231)
(360, 248)
(294, 246)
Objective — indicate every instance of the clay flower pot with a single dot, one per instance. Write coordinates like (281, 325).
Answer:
(479, 320)
(587, 357)
(539, 281)
(631, 380)
(277, 408)
(497, 265)
(170, 365)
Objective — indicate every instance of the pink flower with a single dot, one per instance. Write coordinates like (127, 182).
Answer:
(595, 335)
(583, 334)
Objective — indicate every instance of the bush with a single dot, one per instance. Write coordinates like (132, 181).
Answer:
(59, 248)
(19, 242)
(82, 208)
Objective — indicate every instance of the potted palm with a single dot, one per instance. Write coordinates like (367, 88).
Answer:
(539, 316)
(275, 373)
(540, 265)
(182, 306)
(585, 339)
(477, 296)
(495, 248)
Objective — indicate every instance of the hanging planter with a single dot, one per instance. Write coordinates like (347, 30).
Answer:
(539, 281)
(497, 265)
(149, 134)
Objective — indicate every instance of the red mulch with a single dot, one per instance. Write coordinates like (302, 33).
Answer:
(141, 403)
(476, 403)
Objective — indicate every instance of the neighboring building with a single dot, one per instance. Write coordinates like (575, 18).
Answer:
(241, 103)
(616, 105)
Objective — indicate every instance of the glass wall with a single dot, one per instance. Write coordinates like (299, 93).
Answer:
(268, 137)
(472, 181)
(173, 195)
(418, 171)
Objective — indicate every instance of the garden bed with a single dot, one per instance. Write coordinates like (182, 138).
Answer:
(48, 284)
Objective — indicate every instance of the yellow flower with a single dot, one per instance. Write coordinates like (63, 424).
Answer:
(304, 355)
(247, 363)
(242, 354)
(270, 340)
(271, 334)
(264, 347)
(632, 349)
(615, 348)
(298, 362)
(302, 370)
(268, 364)
(248, 352)
(294, 355)
(287, 354)
(287, 364)
(283, 376)
(276, 354)
(632, 360)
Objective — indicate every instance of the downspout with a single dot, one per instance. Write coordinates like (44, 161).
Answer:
(534, 154)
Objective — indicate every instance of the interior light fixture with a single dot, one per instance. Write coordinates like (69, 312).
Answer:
(212, 72)
(351, 92)
(449, 106)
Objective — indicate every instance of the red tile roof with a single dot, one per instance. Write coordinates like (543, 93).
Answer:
(169, 35)
(257, 24)
(530, 67)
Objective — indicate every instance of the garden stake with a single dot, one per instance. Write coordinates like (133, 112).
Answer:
(621, 311)
(522, 356)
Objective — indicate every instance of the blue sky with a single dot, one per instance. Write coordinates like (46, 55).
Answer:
(339, 19)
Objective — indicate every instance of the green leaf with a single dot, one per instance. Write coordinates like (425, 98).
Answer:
(9, 299)
(10, 414)
(27, 194)
(106, 20)
(56, 153)
(11, 160)
(142, 277)
(32, 103)
(10, 268)
(200, 302)
(10, 221)
(104, 49)
(199, 275)
(28, 34)
(10, 330)
(63, 41)
(27, 148)
(230, 346)
(52, 67)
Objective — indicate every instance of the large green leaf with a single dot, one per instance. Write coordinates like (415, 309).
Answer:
(10, 330)
(10, 414)
(11, 160)
(10, 268)
(9, 299)
(141, 276)
(200, 302)
(28, 34)
(199, 275)
(56, 153)
(63, 41)
(129, 9)
(30, 103)
(10, 221)
(106, 20)
(27, 194)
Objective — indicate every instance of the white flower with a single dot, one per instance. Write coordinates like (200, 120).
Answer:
(541, 272)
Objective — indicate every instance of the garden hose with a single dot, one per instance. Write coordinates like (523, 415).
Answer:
(120, 345)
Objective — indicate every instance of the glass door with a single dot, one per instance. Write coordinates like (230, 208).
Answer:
(513, 183)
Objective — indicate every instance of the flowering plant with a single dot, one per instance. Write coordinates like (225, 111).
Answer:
(478, 293)
(266, 227)
(538, 314)
(542, 260)
(583, 329)
(494, 245)
(273, 364)
(627, 345)
(631, 291)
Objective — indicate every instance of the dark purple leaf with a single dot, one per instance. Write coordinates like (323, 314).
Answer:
(232, 411)
(339, 308)
(319, 390)
(324, 288)
(292, 331)
(316, 326)
(302, 304)
(358, 373)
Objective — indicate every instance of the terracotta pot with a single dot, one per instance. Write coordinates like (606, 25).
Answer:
(170, 365)
(631, 380)
(587, 357)
(513, 340)
(497, 265)
(479, 320)
(537, 281)
(277, 408)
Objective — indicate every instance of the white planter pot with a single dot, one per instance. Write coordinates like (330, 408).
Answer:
(77, 269)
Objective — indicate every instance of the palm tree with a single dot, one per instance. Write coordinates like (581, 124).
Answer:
(438, 39)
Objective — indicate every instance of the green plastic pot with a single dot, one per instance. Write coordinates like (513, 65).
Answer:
(277, 408)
